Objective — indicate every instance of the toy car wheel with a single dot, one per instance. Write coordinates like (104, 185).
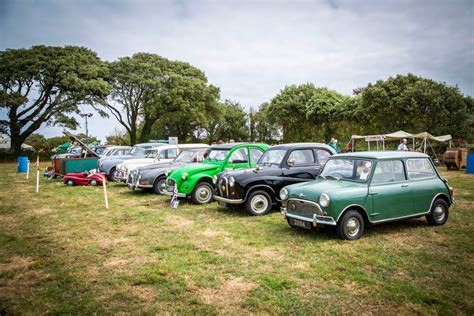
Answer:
(159, 186)
(350, 226)
(258, 203)
(113, 175)
(94, 183)
(439, 213)
(70, 183)
(202, 193)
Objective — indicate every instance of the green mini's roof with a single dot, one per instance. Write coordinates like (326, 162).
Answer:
(382, 154)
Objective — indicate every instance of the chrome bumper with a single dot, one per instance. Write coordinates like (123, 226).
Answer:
(228, 201)
(317, 219)
(168, 193)
(144, 186)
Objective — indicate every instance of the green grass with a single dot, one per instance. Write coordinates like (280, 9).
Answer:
(62, 252)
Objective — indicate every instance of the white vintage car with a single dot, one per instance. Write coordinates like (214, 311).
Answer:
(162, 154)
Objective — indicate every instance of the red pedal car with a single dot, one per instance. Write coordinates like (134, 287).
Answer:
(84, 178)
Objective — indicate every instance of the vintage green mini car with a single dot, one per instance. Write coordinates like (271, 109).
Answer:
(358, 189)
(196, 180)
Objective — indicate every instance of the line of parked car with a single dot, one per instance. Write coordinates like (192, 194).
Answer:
(310, 182)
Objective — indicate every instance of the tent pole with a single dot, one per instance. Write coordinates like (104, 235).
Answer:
(425, 147)
(368, 144)
(383, 144)
(352, 140)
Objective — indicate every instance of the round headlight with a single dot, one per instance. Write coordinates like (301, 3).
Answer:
(184, 175)
(324, 200)
(283, 194)
(231, 181)
(166, 173)
(214, 179)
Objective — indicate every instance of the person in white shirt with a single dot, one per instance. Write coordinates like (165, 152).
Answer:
(403, 145)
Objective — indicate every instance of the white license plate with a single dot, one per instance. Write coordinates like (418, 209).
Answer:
(300, 223)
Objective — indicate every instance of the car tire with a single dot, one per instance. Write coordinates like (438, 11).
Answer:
(202, 193)
(258, 203)
(350, 226)
(113, 175)
(70, 183)
(158, 186)
(94, 183)
(439, 213)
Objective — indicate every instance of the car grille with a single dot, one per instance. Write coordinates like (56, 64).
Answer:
(132, 177)
(223, 187)
(170, 184)
(302, 207)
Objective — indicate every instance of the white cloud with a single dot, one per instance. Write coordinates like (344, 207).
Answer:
(252, 49)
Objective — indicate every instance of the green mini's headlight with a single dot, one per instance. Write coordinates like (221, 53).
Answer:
(283, 194)
(324, 200)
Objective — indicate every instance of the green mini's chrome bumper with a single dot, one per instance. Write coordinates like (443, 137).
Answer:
(317, 219)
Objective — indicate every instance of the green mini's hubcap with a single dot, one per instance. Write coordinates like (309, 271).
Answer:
(352, 226)
(439, 213)
(259, 203)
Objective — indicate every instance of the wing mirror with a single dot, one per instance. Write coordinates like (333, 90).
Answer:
(290, 162)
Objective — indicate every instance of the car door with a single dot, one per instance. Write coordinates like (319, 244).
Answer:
(424, 181)
(390, 191)
(238, 158)
(299, 166)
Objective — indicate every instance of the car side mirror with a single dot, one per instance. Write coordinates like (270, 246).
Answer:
(291, 162)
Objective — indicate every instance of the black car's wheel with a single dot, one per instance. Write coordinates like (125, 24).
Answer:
(439, 213)
(113, 175)
(258, 203)
(202, 193)
(70, 183)
(350, 226)
(159, 186)
(94, 183)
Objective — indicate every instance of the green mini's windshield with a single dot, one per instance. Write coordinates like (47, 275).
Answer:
(217, 154)
(347, 169)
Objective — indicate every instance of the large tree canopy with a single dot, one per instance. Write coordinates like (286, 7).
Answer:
(415, 104)
(46, 84)
(148, 88)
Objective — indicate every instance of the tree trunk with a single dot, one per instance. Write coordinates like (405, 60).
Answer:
(132, 133)
(146, 130)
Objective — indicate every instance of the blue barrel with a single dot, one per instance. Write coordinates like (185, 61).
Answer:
(22, 164)
(470, 164)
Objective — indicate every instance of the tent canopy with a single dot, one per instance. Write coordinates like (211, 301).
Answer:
(401, 135)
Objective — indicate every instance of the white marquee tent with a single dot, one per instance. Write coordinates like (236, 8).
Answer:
(382, 138)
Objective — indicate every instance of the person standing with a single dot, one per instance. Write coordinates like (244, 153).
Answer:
(403, 145)
(334, 145)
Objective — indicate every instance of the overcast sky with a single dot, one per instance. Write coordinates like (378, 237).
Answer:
(252, 49)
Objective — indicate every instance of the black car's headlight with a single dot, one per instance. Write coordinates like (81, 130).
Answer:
(231, 181)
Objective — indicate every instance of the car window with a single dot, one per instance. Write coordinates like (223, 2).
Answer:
(239, 156)
(420, 168)
(388, 171)
(323, 155)
(168, 153)
(302, 157)
(255, 154)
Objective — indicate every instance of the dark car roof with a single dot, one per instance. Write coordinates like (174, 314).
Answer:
(298, 145)
(383, 154)
(232, 145)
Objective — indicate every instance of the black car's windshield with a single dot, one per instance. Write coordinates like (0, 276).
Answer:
(347, 169)
(272, 156)
(217, 154)
(192, 155)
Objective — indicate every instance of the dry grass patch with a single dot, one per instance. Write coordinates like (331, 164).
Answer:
(178, 222)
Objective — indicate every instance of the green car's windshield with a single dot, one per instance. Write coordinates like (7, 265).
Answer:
(272, 156)
(217, 154)
(347, 169)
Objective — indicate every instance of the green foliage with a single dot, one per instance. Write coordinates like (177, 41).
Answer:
(229, 121)
(149, 88)
(45, 84)
(261, 128)
(414, 104)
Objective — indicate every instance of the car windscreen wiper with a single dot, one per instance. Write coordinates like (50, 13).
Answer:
(335, 178)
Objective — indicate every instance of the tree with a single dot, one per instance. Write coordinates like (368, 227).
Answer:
(148, 87)
(414, 104)
(37, 141)
(44, 85)
(261, 128)
(230, 122)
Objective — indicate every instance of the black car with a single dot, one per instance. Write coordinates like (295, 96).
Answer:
(258, 188)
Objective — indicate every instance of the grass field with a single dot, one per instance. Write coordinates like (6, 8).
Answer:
(62, 252)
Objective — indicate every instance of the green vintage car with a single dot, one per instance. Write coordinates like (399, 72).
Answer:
(196, 180)
(358, 189)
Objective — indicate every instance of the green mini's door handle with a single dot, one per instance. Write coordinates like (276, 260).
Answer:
(404, 185)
